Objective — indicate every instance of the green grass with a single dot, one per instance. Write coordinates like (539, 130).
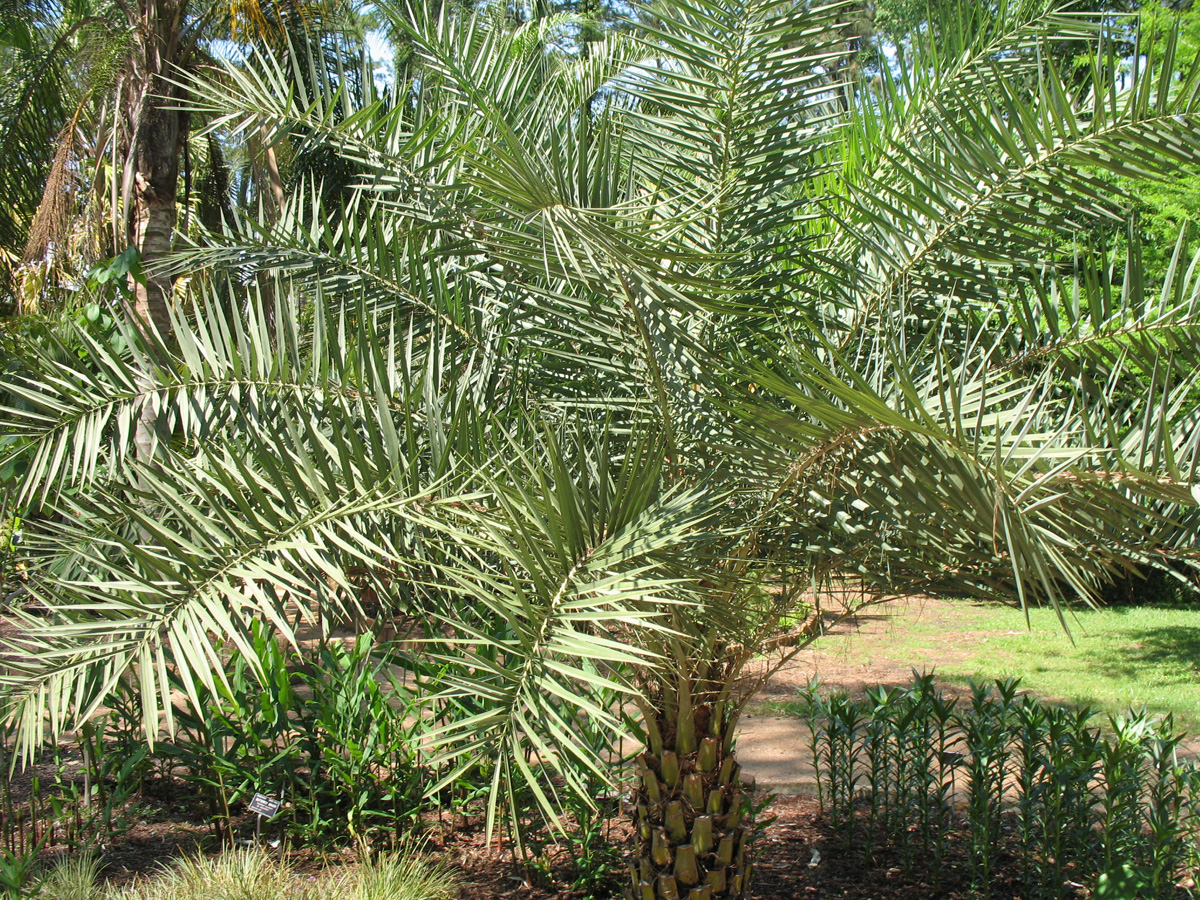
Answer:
(1121, 657)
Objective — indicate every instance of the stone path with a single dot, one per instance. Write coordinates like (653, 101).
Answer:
(775, 751)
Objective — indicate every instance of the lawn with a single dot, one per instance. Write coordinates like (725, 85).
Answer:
(1113, 658)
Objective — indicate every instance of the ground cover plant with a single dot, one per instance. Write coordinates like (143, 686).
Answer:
(588, 369)
(1040, 793)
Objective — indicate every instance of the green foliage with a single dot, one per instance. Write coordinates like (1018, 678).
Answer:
(19, 876)
(596, 869)
(403, 875)
(10, 537)
(590, 348)
(1080, 803)
(118, 271)
(1124, 883)
(252, 873)
(328, 732)
(596, 860)
(79, 806)
(1167, 209)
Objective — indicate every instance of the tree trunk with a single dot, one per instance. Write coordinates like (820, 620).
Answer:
(157, 149)
(160, 137)
(157, 132)
(693, 811)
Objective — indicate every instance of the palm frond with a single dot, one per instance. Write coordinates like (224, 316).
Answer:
(584, 550)
(1008, 173)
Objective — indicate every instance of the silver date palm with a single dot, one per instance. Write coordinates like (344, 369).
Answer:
(610, 359)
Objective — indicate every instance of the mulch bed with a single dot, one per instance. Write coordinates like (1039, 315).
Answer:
(785, 869)
(166, 828)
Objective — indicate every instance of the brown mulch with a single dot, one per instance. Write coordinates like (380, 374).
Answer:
(785, 866)
(785, 869)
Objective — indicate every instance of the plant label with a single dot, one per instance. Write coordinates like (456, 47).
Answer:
(264, 805)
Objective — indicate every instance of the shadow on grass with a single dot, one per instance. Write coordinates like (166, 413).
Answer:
(832, 618)
(1173, 648)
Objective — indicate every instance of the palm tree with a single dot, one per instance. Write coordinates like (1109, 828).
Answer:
(606, 361)
(96, 96)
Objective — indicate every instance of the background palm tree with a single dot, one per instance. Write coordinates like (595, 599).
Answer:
(605, 361)
(96, 95)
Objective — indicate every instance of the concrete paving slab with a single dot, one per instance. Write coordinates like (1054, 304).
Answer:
(776, 752)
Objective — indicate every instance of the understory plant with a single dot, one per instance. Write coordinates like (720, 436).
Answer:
(84, 791)
(329, 731)
(1082, 803)
(256, 874)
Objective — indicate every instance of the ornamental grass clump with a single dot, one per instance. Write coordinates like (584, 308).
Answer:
(253, 873)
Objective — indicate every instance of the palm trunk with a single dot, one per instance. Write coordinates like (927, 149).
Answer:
(693, 828)
(159, 143)
(160, 136)
(154, 224)
(157, 132)
(152, 132)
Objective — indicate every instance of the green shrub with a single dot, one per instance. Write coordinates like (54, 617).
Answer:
(1082, 801)
(332, 734)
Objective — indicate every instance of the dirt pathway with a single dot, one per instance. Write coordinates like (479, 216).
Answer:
(775, 748)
